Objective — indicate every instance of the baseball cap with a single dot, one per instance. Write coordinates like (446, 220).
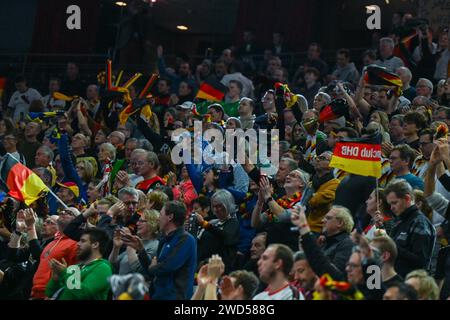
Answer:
(187, 105)
(72, 186)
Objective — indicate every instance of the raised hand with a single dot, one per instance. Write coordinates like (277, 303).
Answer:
(215, 267)
(30, 217)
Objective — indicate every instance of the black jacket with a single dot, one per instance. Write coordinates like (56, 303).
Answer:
(219, 238)
(331, 258)
(414, 236)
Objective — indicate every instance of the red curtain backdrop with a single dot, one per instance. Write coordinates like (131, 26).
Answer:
(50, 31)
(292, 17)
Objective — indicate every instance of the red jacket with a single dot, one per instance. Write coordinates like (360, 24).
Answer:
(61, 247)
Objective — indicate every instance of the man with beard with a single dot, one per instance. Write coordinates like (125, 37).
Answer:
(274, 267)
(304, 276)
(93, 271)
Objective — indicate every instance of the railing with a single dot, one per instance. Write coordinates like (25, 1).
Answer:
(39, 66)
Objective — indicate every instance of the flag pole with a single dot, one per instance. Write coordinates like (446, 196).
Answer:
(49, 190)
(377, 194)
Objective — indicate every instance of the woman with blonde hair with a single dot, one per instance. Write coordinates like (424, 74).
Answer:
(145, 242)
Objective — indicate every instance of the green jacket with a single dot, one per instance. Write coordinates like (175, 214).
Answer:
(94, 282)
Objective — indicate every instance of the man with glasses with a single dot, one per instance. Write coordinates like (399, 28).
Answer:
(401, 159)
(331, 257)
(147, 166)
(62, 248)
(268, 119)
(420, 164)
(424, 88)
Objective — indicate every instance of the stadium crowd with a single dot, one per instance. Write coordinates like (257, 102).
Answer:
(124, 214)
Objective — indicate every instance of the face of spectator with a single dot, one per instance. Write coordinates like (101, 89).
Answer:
(278, 75)
(41, 159)
(283, 170)
(341, 60)
(319, 102)
(163, 88)
(216, 116)
(103, 154)
(386, 49)
(272, 65)
(133, 163)
(92, 92)
(382, 100)
(367, 60)
(78, 141)
(392, 293)
(231, 124)
(32, 129)
(184, 70)
(258, 247)
(227, 56)
(164, 220)
(310, 77)
(50, 226)
(397, 164)
(331, 224)
(267, 266)
(65, 195)
(219, 210)
(354, 269)
(220, 69)
(65, 217)
(409, 128)
(233, 90)
(443, 40)
(403, 76)
(143, 228)
(268, 102)
(53, 86)
(288, 116)
(130, 146)
(10, 142)
(422, 89)
(72, 70)
(375, 117)
(184, 89)
(131, 202)
(415, 283)
(142, 165)
(100, 137)
(304, 274)
(398, 205)
(395, 129)
(85, 248)
(313, 52)
(294, 181)
(81, 169)
(322, 162)
(371, 204)
(245, 108)
(115, 138)
(21, 86)
(93, 193)
(426, 145)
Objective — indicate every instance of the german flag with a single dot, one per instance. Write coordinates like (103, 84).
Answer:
(211, 91)
(22, 183)
(359, 156)
(376, 75)
(336, 109)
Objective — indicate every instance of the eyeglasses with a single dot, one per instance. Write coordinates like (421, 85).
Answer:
(49, 221)
(353, 265)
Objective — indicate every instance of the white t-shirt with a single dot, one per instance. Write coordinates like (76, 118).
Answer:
(284, 293)
(20, 102)
(52, 104)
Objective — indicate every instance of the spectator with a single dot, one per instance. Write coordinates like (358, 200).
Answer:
(94, 273)
(174, 264)
(72, 85)
(20, 101)
(304, 275)
(50, 103)
(345, 70)
(405, 75)
(274, 267)
(387, 60)
(424, 284)
(400, 291)
(401, 159)
(414, 246)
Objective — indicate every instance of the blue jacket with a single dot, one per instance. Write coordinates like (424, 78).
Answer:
(174, 273)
